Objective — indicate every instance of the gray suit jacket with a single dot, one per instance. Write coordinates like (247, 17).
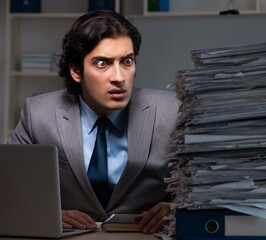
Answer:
(54, 118)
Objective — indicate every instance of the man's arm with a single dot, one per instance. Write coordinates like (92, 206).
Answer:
(153, 220)
(77, 220)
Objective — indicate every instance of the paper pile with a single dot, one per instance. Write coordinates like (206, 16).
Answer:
(219, 156)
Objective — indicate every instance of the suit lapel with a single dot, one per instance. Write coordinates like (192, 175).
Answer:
(140, 129)
(68, 122)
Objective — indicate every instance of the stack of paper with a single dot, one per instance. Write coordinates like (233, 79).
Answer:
(236, 55)
(219, 156)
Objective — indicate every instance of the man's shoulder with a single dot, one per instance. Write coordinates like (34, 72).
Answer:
(149, 94)
(165, 103)
(54, 96)
(56, 99)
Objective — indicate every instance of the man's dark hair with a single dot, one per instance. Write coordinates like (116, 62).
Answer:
(85, 34)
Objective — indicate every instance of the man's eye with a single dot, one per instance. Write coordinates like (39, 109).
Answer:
(128, 61)
(101, 64)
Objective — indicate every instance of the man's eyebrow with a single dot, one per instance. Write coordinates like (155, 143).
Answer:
(128, 55)
(111, 59)
(101, 58)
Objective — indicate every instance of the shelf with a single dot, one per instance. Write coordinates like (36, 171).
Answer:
(33, 33)
(193, 13)
(185, 8)
(36, 73)
(44, 15)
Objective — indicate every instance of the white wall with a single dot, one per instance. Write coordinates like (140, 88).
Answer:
(167, 42)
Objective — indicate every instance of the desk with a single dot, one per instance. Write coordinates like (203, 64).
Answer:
(113, 236)
(98, 236)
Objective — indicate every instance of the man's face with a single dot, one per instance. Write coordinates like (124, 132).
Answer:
(109, 71)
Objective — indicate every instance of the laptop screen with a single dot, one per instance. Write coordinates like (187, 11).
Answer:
(30, 191)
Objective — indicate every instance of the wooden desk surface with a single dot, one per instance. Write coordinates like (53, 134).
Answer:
(98, 236)
(114, 236)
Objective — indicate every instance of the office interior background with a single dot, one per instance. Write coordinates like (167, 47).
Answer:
(168, 37)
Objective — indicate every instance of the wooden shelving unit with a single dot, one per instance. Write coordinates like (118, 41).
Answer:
(34, 33)
(181, 7)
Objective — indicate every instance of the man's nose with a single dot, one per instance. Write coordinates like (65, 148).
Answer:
(117, 73)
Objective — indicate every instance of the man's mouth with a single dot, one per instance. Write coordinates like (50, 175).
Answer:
(117, 93)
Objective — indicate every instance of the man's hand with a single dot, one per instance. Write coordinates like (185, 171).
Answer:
(153, 220)
(77, 220)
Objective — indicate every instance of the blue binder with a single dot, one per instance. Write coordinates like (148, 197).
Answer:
(163, 5)
(218, 223)
(101, 5)
(25, 6)
(223, 238)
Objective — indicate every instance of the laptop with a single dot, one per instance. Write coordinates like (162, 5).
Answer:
(30, 203)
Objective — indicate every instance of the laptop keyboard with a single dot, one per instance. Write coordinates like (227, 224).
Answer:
(68, 230)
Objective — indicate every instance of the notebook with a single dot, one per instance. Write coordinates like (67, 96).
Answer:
(30, 203)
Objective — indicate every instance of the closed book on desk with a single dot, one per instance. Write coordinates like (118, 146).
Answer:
(120, 223)
(218, 223)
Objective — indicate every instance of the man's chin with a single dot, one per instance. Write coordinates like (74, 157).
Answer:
(118, 105)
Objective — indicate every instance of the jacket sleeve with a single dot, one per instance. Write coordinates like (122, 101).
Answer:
(22, 134)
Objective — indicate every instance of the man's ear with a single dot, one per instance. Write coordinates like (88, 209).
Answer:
(75, 74)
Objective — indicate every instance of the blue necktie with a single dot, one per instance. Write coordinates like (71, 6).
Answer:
(98, 171)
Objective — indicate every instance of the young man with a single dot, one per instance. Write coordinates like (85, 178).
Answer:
(98, 64)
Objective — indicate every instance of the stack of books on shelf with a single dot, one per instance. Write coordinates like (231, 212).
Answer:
(23, 6)
(36, 62)
(101, 5)
(219, 146)
(158, 5)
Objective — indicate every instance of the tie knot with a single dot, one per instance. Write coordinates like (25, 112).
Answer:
(102, 122)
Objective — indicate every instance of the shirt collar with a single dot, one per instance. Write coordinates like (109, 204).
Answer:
(117, 117)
